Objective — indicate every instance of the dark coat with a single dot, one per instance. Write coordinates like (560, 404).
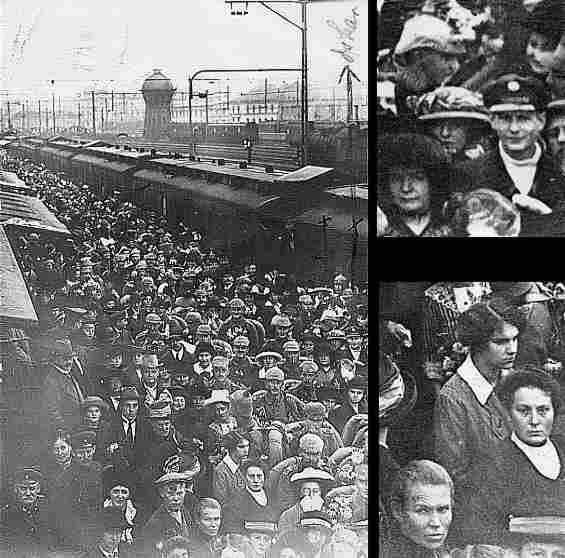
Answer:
(162, 526)
(509, 484)
(201, 546)
(113, 431)
(26, 531)
(171, 363)
(61, 403)
(341, 414)
(245, 508)
(465, 430)
(489, 172)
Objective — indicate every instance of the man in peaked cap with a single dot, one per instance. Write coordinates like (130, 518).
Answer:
(24, 521)
(518, 168)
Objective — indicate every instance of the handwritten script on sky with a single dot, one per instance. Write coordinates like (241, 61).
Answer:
(345, 34)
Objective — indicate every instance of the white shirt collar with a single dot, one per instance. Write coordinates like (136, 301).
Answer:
(522, 172)
(232, 465)
(544, 458)
(479, 385)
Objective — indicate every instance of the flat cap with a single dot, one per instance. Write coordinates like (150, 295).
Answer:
(95, 401)
(83, 438)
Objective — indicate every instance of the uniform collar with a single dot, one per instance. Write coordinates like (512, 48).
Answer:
(475, 380)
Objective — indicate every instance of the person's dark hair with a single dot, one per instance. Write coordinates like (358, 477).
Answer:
(253, 463)
(477, 324)
(421, 471)
(531, 377)
(409, 150)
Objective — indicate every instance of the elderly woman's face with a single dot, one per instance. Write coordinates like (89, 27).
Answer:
(426, 516)
(532, 415)
(542, 550)
(410, 190)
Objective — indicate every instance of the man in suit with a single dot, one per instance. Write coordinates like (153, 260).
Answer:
(125, 438)
(171, 519)
(518, 168)
(62, 394)
(355, 403)
(133, 368)
(176, 357)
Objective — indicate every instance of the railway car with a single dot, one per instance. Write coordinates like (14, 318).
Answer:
(299, 221)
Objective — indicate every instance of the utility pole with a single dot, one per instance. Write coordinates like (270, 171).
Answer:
(206, 129)
(265, 98)
(54, 121)
(228, 97)
(9, 117)
(324, 222)
(23, 116)
(106, 111)
(190, 104)
(78, 125)
(93, 115)
(101, 120)
(304, 104)
(39, 103)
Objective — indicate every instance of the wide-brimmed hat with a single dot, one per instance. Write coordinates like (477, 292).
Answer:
(273, 354)
(451, 102)
(218, 396)
(315, 518)
(427, 31)
(312, 474)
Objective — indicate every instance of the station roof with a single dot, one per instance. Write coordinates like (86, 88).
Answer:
(29, 212)
(16, 306)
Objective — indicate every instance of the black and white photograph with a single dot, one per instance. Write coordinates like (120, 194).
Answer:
(471, 419)
(470, 118)
(184, 225)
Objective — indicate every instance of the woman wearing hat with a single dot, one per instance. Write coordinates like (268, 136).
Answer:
(311, 486)
(222, 422)
(458, 119)
(413, 184)
(266, 360)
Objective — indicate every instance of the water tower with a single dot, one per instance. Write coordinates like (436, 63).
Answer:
(157, 92)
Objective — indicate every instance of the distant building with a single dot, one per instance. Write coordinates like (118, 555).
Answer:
(157, 92)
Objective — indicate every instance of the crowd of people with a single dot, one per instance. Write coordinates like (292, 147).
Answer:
(190, 406)
(470, 118)
(471, 420)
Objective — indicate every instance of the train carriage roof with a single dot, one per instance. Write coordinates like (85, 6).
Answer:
(16, 307)
(29, 212)
(201, 189)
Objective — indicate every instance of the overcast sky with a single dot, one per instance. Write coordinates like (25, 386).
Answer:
(76, 42)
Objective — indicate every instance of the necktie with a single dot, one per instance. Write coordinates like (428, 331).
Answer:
(129, 433)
